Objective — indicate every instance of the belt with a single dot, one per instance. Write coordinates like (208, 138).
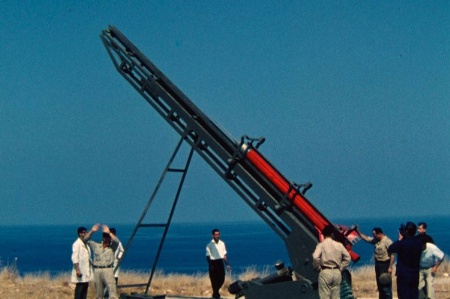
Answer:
(383, 262)
(103, 267)
(329, 268)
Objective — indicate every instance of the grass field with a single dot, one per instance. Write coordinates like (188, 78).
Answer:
(43, 286)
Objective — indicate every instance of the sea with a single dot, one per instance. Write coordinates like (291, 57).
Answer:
(250, 245)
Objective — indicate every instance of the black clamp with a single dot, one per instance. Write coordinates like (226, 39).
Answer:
(241, 150)
(286, 202)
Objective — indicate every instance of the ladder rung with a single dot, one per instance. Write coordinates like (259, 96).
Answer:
(153, 225)
(132, 285)
(176, 170)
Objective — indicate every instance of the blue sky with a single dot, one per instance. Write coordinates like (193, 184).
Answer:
(352, 96)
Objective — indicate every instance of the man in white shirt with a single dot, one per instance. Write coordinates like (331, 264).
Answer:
(430, 260)
(216, 254)
(82, 272)
(118, 254)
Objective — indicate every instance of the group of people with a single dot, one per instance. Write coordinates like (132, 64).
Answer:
(96, 261)
(418, 259)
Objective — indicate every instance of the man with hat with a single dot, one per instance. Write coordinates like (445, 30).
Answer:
(104, 255)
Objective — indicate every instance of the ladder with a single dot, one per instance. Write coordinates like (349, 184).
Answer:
(165, 225)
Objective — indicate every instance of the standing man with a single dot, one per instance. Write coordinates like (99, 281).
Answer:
(118, 255)
(430, 260)
(383, 260)
(330, 258)
(409, 250)
(216, 255)
(422, 231)
(82, 272)
(104, 253)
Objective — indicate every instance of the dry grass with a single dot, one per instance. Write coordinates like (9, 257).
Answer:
(364, 284)
(42, 286)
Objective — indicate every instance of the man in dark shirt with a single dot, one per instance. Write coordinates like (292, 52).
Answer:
(422, 231)
(409, 250)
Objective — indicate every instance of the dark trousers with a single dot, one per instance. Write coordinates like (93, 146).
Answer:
(217, 276)
(384, 290)
(81, 290)
(407, 288)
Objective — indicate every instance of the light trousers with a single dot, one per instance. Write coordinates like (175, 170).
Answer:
(426, 279)
(330, 284)
(105, 278)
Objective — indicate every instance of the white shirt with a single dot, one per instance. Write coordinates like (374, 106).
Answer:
(118, 255)
(216, 251)
(430, 256)
(81, 255)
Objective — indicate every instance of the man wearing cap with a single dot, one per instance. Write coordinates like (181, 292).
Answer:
(82, 272)
(104, 255)
(330, 258)
(383, 260)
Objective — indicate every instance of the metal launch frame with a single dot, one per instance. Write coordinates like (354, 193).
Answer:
(279, 202)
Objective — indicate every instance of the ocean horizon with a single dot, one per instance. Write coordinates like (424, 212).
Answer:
(47, 248)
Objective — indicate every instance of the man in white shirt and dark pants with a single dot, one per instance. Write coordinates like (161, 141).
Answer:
(216, 254)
